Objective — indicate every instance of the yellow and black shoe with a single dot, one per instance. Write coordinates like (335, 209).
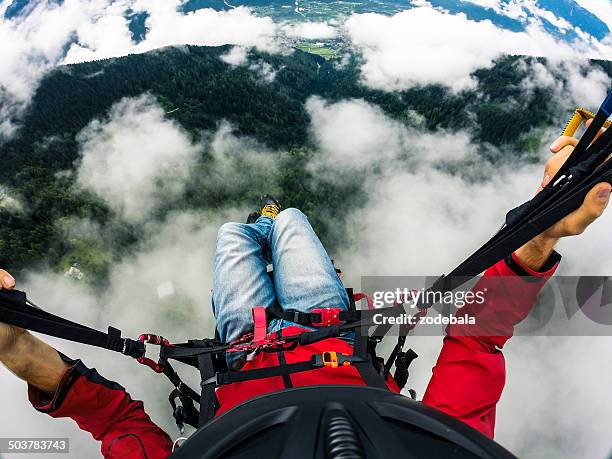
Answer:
(270, 207)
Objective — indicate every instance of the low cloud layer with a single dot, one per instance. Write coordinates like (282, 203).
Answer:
(574, 83)
(10, 202)
(423, 221)
(135, 158)
(417, 46)
(311, 30)
(166, 26)
(379, 141)
(418, 219)
(54, 33)
(426, 46)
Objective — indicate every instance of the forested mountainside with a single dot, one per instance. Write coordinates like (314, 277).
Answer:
(198, 90)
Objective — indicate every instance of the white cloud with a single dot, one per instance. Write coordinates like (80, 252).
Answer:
(493, 4)
(358, 134)
(425, 46)
(584, 86)
(10, 202)
(97, 29)
(135, 157)
(28, 46)
(424, 221)
(264, 70)
(237, 55)
(354, 132)
(166, 26)
(311, 30)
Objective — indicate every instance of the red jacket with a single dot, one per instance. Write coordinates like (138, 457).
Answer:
(470, 358)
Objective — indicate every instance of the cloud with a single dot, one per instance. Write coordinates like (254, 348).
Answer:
(74, 31)
(135, 158)
(493, 4)
(264, 70)
(311, 30)
(10, 202)
(358, 134)
(232, 156)
(423, 220)
(29, 45)
(237, 55)
(573, 82)
(167, 26)
(423, 46)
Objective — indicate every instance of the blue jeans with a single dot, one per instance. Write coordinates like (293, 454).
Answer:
(304, 277)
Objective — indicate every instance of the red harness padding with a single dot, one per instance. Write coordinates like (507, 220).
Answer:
(236, 393)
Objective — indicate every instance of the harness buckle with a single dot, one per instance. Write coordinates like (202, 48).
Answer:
(329, 316)
(332, 359)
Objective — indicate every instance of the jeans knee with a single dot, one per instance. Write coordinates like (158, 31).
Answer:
(290, 215)
(227, 231)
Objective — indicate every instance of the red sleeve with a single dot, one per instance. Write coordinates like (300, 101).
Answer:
(105, 410)
(470, 373)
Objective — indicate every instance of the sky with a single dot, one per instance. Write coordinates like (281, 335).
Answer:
(407, 191)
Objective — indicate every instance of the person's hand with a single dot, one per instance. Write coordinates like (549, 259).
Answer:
(594, 203)
(26, 356)
(8, 333)
(535, 253)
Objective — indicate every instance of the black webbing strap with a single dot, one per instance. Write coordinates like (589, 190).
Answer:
(314, 363)
(286, 378)
(15, 310)
(585, 167)
(366, 367)
(268, 372)
(208, 399)
(187, 351)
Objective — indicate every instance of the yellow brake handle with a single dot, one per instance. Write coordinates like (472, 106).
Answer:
(580, 116)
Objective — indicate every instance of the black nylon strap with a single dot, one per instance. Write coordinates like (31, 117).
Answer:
(587, 166)
(268, 372)
(187, 350)
(286, 378)
(14, 310)
(366, 369)
(207, 397)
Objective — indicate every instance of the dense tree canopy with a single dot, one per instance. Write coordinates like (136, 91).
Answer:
(205, 90)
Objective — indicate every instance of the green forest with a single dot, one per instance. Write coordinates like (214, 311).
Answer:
(199, 90)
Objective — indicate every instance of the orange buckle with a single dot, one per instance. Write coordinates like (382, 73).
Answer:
(334, 359)
(330, 359)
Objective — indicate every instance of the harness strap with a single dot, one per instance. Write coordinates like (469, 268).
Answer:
(261, 326)
(327, 359)
(16, 310)
(583, 169)
(208, 399)
(366, 367)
